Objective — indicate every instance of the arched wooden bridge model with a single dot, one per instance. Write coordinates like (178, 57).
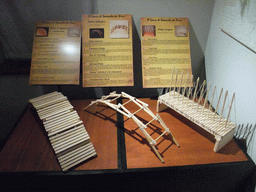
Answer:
(107, 100)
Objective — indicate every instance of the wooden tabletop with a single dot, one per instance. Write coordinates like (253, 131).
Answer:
(28, 148)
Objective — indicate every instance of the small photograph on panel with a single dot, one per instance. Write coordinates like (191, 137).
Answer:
(97, 33)
(119, 29)
(148, 30)
(181, 31)
(73, 31)
(42, 31)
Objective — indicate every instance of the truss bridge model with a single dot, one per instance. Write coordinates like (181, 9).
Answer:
(66, 132)
(107, 100)
(195, 109)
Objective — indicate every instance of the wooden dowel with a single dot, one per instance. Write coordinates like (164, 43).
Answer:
(195, 92)
(210, 107)
(202, 92)
(56, 110)
(61, 117)
(127, 102)
(224, 102)
(67, 132)
(171, 81)
(149, 112)
(70, 139)
(50, 101)
(218, 101)
(52, 107)
(189, 90)
(51, 133)
(115, 98)
(71, 144)
(83, 158)
(76, 157)
(180, 83)
(176, 79)
(141, 102)
(230, 109)
(60, 122)
(186, 85)
(206, 97)
(43, 96)
(160, 136)
(65, 136)
(44, 101)
(149, 122)
(67, 154)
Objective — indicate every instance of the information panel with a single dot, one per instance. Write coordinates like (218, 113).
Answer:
(165, 46)
(107, 50)
(56, 53)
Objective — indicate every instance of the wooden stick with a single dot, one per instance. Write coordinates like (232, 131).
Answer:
(189, 90)
(71, 144)
(206, 97)
(180, 83)
(60, 135)
(171, 81)
(43, 96)
(51, 133)
(230, 109)
(76, 155)
(152, 146)
(167, 130)
(61, 117)
(218, 102)
(50, 101)
(127, 102)
(210, 107)
(61, 121)
(68, 154)
(195, 92)
(176, 79)
(81, 159)
(202, 92)
(69, 139)
(184, 90)
(224, 102)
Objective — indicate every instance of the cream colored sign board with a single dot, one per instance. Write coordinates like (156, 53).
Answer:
(165, 46)
(107, 50)
(56, 53)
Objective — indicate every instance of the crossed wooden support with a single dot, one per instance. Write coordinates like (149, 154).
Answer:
(107, 100)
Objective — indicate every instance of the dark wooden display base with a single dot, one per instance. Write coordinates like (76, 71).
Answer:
(124, 159)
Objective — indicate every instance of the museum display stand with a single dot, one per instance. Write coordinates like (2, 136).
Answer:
(125, 160)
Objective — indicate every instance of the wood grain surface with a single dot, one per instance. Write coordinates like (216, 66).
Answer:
(28, 148)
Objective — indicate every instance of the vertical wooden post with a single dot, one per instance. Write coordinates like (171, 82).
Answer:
(230, 109)
(218, 102)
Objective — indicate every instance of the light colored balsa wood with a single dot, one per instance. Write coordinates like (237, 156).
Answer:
(66, 132)
(141, 107)
(215, 124)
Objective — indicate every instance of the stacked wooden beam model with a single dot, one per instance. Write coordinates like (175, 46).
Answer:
(195, 109)
(65, 130)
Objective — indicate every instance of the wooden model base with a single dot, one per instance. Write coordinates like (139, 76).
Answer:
(65, 130)
(107, 100)
(221, 128)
